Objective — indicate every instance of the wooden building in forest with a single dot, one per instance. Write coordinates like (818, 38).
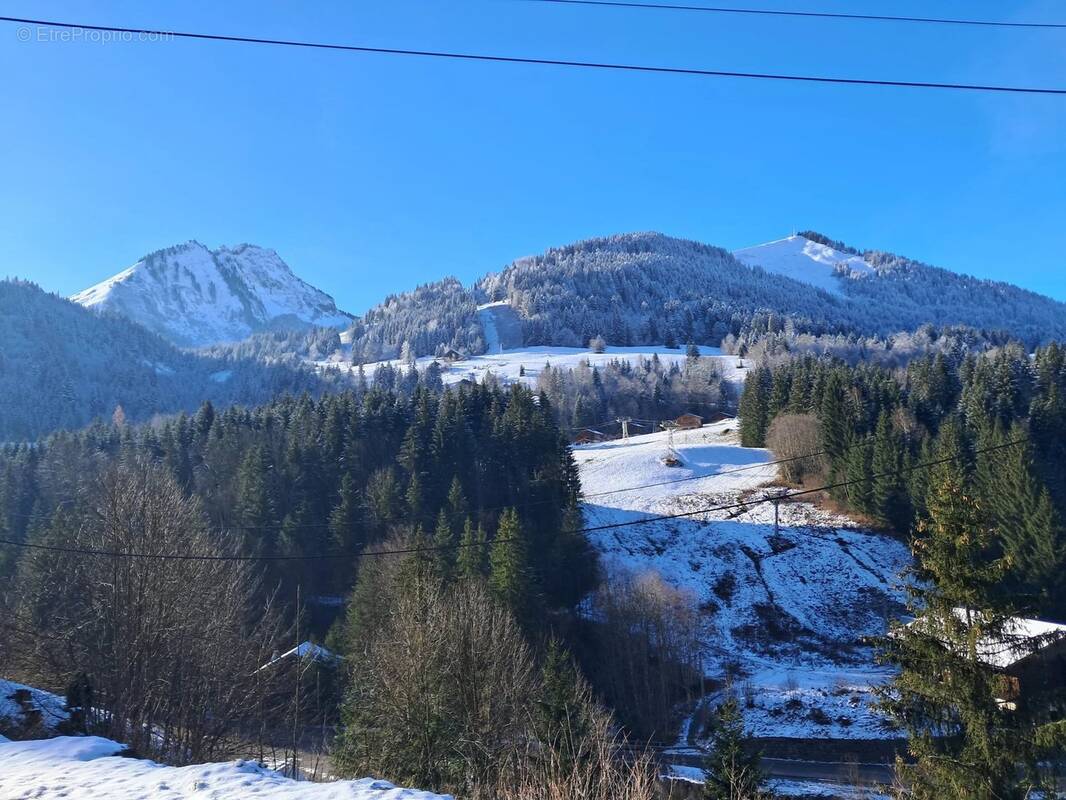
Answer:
(688, 421)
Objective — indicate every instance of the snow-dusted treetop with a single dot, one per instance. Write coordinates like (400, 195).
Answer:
(196, 297)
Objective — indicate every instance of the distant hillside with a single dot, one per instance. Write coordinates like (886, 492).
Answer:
(643, 286)
(61, 366)
(647, 288)
(904, 293)
(196, 297)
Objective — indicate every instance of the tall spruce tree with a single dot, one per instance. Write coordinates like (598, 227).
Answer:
(444, 541)
(888, 496)
(346, 529)
(733, 772)
(754, 408)
(835, 429)
(965, 743)
(509, 573)
(473, 557)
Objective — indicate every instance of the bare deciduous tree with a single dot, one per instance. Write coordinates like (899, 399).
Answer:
(795, 437)
(446, 694)
(649, 654)
(168, 647)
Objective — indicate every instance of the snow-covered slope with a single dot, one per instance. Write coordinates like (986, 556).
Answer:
(195, 296)
(785, 613)
(804, 260)
(90, 768)
(525, 364)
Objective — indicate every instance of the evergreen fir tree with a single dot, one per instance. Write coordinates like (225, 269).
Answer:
(965, 744)
(888, 498)
(415, 500)
(561, 718)
(1028, 527)
(754, 408)
(858, 473)
(457, 505)
(256, 507)
(472, 558)
(835, 432)
(732, 773)
(346, 529)
(445, 555)
(509, 574)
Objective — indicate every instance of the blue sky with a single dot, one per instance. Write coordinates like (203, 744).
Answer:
(371, 174)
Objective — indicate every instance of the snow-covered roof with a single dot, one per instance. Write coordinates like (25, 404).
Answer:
(1021, 638)
(315, 652)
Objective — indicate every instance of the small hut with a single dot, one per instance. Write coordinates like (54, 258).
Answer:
(689, 421)
(588, 436)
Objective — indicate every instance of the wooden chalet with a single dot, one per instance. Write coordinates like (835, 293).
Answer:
(688, 421)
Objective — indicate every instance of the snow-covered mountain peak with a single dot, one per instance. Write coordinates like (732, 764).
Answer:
(195, 296)
(805, 260)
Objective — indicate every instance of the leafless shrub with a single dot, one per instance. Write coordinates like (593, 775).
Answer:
(608, 770)
(795, 437)
(748, 691)
(650, 654)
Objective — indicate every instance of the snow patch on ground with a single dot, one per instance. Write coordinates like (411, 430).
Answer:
(89, 768)
(803, 260)
(486, 315)
(807, 790)
(26, 709)
(785, 614)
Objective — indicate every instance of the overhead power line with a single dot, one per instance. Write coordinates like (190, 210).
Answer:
(743, 504)
(552, 62)
(769, 12)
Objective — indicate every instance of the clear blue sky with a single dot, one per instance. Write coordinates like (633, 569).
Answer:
(370, 174)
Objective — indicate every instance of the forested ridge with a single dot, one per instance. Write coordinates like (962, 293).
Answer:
(300, 476)
(61, 366)
(648, 288)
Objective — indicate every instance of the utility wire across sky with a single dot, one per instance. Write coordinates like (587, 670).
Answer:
(551, 62)
(772, 12)
(743, 504)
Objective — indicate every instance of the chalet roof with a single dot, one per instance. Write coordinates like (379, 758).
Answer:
(1022, 638)
(307, 650)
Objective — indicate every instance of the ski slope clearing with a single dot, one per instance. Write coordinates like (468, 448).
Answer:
(803, 260)
(502, 326)
(91, 768)
(784, 614)
(525, 364)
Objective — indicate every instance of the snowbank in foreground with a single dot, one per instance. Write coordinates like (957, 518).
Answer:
(87, 768)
